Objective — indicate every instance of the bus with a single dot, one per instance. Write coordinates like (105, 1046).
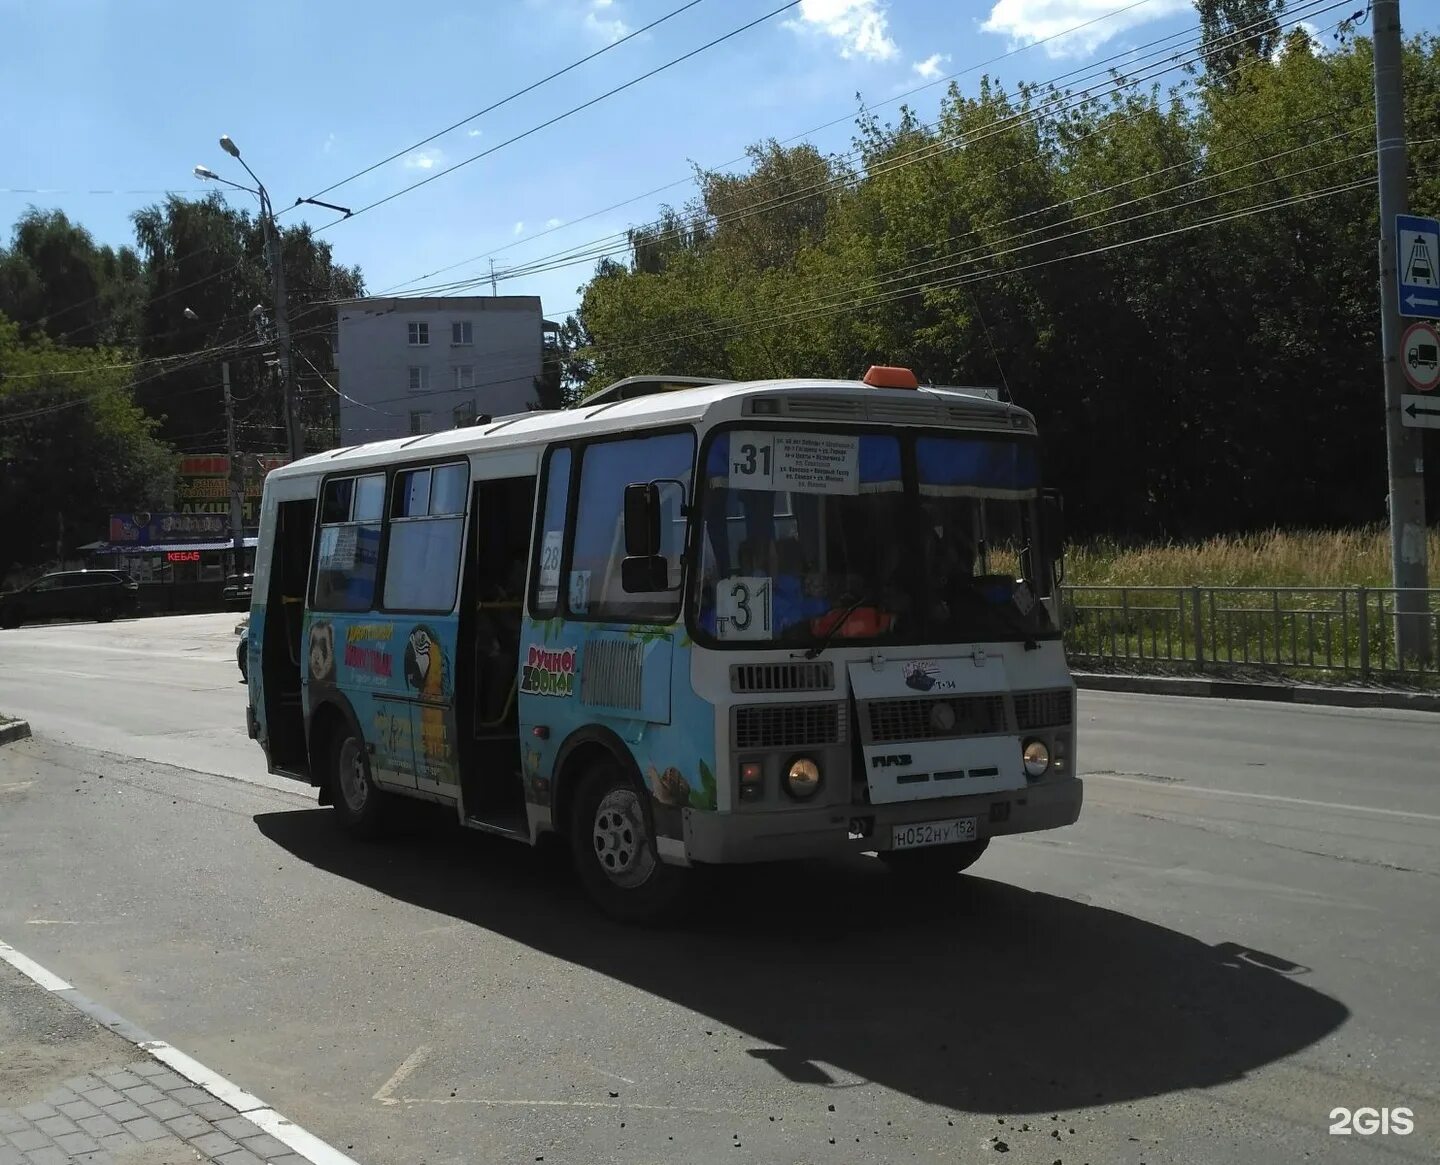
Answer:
(724, 622)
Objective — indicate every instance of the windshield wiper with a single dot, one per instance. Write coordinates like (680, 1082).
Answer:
(835, 627)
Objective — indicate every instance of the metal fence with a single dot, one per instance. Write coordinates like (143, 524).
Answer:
(1342, 632)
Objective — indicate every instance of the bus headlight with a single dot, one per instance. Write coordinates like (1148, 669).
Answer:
(802, 778)
(1037, 759)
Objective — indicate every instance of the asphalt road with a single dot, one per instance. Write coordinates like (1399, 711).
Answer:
(1240, 935)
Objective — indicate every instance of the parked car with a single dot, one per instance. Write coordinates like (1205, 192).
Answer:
(242, 650)
(71, 594)
(236, 592)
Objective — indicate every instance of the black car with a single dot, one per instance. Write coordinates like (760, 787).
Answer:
(236, 592)
(71, 594)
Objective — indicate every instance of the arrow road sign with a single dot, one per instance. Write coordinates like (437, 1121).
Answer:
(1417, 265)
(1420, 412)
(1420, 355)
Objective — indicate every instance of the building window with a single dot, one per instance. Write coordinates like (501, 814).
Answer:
(464, 377)
(419, 333)
(462, 332)
(419, 422)
(464, 413)
(419, 378)
(593, 582)
(427, 520)
(349, 554)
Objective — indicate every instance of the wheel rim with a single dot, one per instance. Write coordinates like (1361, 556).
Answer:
(354, 788)
(622, 846)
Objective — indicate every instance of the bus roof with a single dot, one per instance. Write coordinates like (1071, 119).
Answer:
(815, 400)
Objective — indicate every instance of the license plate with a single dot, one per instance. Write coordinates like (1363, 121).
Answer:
(924, 833)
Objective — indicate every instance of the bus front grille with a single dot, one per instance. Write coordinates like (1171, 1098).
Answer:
(789, 726)
(921, 719)
(1052, 709)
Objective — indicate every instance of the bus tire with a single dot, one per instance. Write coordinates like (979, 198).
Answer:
(935, 861)
(612, 843)
(360, 806)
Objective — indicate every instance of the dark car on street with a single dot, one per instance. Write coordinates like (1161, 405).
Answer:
(236, 592)
(71, 594)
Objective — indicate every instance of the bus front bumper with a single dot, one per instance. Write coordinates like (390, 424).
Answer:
(835, 829)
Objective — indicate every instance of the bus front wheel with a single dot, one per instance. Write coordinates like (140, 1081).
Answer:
(612, 840)
(359, 804)
(936, 861)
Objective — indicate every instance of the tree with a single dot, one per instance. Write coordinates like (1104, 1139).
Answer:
(74, 447)
(1235, 33)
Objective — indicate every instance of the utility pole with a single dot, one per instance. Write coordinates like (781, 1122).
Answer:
(237, 503)
(1403, 446)
(294, 431)
(494, 290)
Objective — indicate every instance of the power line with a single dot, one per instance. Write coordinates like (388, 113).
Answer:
(670, 64)
(797, 137)
(506, 100)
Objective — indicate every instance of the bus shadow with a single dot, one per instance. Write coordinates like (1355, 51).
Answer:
(980, 996)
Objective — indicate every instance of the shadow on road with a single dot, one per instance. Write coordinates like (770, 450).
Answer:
(981, 996)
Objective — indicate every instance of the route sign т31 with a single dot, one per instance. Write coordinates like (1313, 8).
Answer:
(1417, 265)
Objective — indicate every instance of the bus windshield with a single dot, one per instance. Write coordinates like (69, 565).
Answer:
(811, 537)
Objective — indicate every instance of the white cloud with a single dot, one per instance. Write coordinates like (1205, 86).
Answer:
(1028, 21)
(929, 68)
(611, 28)
(861, 26)
(329, 146)
(426, 159)
(519, 229)
(473, 133)
(552, 223)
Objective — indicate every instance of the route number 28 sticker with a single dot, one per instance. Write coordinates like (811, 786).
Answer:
(743, 608)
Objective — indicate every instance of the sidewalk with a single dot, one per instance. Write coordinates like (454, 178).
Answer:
(72, 1091)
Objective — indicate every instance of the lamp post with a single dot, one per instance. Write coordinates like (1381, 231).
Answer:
(294, 434)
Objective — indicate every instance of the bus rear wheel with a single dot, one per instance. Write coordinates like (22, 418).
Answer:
(612, 841)
(359, 804)
(937, 861)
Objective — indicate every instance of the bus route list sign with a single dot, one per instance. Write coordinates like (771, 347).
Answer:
(811, 463)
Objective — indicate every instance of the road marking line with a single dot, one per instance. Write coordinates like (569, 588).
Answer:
(1272, 797)
(15, 786)
(573, 1104)
(624, 1079)
(32, 970)
(51, 922)
(408, 1065)
(306, 1144)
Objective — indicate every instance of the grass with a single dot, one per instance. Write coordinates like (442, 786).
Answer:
(1313, 633)
(1275, 558)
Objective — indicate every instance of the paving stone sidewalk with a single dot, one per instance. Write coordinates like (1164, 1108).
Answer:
(123, 1108)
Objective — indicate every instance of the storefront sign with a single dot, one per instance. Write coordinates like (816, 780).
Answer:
(144, 529)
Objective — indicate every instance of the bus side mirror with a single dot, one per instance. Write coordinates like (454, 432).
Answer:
(643, 570)
(1052, 531)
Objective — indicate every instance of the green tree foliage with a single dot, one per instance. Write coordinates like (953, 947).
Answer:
(74, 447)
(1180, 285)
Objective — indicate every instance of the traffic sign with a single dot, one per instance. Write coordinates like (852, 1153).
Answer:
(1420, 412)
(1420, 355)
(1417, 265)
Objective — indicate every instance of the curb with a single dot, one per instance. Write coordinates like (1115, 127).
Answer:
(1273, 693)
(13, 730)
(298, 1140)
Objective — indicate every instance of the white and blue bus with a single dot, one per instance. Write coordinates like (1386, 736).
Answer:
(723, 622)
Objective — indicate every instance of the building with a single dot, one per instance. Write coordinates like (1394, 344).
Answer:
(425, 364)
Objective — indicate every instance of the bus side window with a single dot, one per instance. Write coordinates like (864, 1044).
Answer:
(351, 512)
(550, 538)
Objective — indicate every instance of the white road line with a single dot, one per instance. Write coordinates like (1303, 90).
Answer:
(610, 1104)
(306, 1144)
(402, 1073)
(32, 970)
(1201, 790)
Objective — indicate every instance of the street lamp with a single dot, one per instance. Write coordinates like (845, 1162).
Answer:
(294, 436)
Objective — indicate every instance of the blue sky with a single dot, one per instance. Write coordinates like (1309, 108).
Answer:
(128, 95)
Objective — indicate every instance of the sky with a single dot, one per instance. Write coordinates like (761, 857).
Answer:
(107, 104)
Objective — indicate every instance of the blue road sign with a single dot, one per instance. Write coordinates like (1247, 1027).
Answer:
(1417, 265)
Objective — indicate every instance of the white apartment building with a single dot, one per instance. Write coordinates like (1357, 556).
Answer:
(410, 366)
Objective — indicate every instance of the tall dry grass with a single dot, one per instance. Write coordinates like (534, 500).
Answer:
(1298, 558)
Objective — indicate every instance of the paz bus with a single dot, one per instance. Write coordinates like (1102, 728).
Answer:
(680, 624)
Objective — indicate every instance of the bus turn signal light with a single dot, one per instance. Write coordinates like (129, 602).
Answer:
(884, 376)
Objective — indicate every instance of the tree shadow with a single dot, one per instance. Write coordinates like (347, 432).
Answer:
(975, 995)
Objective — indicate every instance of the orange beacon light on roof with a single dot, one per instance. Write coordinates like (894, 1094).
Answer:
(884, 376)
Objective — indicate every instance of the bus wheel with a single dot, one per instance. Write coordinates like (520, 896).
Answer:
(935, 861)
(613, 844)
(359, 804)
